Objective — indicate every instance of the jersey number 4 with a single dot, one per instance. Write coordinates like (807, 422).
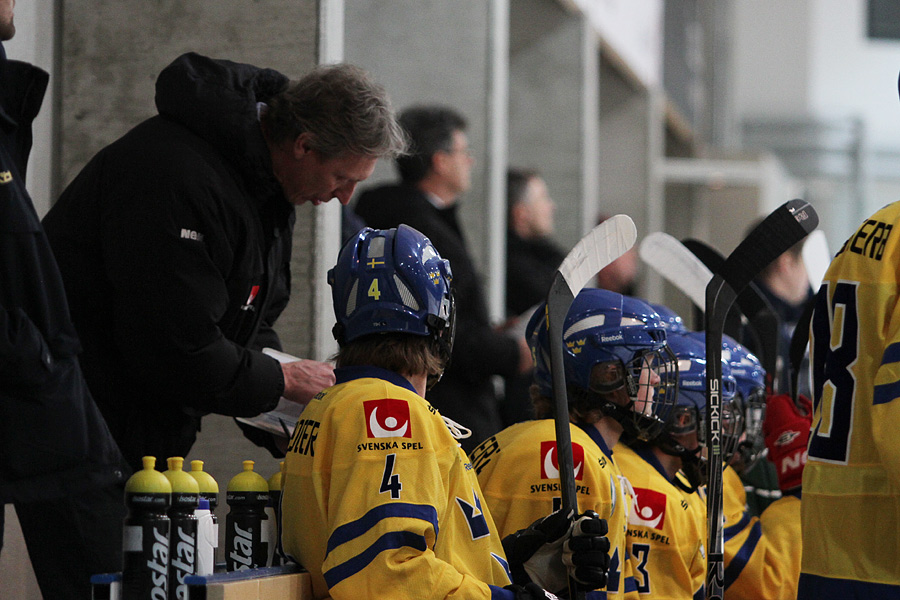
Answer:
(390, 481)
(835, 347)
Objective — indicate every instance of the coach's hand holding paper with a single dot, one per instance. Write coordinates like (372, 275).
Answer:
(303, 379)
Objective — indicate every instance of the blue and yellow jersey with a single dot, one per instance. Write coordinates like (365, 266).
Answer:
(519, 473)
(379, 500)
(666, 530)
(755, 567)
(851, 483)
(781, 524)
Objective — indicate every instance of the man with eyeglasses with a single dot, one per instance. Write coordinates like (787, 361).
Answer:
(435, 174)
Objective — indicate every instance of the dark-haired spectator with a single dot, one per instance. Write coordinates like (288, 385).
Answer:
(433, 176)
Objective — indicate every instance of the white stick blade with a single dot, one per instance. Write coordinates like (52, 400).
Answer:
(676, 264)
(605, 243)
(816, 257)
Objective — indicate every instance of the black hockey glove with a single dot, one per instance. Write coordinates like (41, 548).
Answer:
(531, 591)
(542, 552)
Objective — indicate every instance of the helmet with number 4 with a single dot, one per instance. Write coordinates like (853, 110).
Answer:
(615, 359)
(392, 281)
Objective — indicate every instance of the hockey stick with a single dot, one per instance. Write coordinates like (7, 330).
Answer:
(604, 244)
(783, 228)
(799, 342)
(763, 320)
(677, 265)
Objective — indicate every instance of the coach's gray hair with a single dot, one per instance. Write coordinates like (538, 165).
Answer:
(344, 110)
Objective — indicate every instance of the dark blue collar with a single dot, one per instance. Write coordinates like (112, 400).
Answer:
(598, 439)
(647, 454)
(345, 374)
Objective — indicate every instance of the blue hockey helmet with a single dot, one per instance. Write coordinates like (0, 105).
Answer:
(392, 281)
(751, 396)
(613, 344)
(689, 415)
(671, 320)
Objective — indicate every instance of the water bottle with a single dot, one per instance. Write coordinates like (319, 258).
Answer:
(183, 538)
(207, 539)
(145, 547)
(209, 490)
(246, 544)
(273, 508)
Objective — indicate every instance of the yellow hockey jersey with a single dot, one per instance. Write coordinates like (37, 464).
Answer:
(757, 565)
(519, 474)
(851, 483)
(666, 530)
(379, 500)
(781, 525)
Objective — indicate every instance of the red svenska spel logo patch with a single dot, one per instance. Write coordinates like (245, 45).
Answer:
(387, 418)
(550, 460)
(649, 508)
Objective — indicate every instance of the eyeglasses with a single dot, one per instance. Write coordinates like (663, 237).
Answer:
(465, 151)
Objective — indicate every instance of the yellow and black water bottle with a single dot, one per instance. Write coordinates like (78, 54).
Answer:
(183, 538)
(208, 524)
(273, 510)
(145, 546)
(246, 541)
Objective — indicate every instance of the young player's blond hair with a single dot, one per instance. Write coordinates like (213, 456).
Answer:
(397, 352)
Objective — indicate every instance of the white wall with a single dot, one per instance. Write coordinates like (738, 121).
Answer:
(852, 75)
(769, 55)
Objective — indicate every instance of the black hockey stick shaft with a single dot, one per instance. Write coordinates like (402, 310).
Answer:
(784, 227)
(762, 318)
(799, 341)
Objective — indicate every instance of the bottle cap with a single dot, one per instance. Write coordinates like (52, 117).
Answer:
(204, 504)
(182, 483)
(248, 481)
(276, 479)
(206, 482)
(148, 480)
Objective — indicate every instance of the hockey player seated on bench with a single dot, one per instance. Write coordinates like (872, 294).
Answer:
(383, 503)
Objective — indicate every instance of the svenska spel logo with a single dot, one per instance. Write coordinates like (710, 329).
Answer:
(387, 418)
(550, 460)
(649, 509)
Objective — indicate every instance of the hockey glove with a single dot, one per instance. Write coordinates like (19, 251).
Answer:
(531, 591)
(542, 552)
(786, 429)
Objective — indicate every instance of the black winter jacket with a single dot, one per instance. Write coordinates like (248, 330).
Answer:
(530, 267)
(465, 393)
(174, 244)
(53, 440)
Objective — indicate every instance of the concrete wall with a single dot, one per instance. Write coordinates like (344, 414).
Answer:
(110, 53)
(550, 127)
(435, 51)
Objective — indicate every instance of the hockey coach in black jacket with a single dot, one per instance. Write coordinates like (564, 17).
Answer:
(174, 241)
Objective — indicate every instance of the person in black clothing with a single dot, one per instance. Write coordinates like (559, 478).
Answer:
(785, 284)
(433, 177)
(174, 241)
(532, 258)
(59, 465)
